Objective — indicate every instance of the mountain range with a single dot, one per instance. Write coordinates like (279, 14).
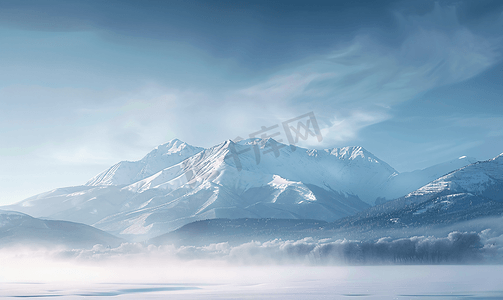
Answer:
(176, 184)
(468, 199)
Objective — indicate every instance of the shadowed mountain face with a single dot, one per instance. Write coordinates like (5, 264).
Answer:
(176, 184)
(21, 229)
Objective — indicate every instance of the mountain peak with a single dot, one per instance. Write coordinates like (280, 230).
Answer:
(357, 153)
(173, 145)
(162, 156)
(174, 141)
(349, 152)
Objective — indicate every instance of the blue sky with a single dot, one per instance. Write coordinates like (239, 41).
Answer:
(85, 84)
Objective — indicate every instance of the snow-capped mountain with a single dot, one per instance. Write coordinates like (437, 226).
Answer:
(401, 184)
(176, 184)
(21, 229)
(483, 178)
(471, 192)
(230, 181)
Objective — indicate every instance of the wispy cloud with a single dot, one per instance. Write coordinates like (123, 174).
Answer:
(349, 89)
(99, 96)
(356, 85)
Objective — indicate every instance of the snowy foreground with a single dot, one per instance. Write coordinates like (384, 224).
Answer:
(456, 266)
(189, 281)
(132, 271)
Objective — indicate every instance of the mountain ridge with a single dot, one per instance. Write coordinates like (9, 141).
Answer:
(176, 183)
(473, 191)
(162, 156)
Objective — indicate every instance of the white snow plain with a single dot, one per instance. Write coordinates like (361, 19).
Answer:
(171, 281)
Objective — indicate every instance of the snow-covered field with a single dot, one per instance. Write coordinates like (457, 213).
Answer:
(166, 281)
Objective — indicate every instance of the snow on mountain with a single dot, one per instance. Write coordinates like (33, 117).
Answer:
(21, 229)
(470, 192)
(401, 184)
(102, 196)
(163, 156)
(482, 178)
(176, 184)
(250, 180)
(82, 204)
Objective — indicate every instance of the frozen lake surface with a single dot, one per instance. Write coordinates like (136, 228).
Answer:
(246, 282)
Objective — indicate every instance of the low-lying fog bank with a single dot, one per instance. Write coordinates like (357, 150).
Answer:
(275, 269)
(485, 247)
